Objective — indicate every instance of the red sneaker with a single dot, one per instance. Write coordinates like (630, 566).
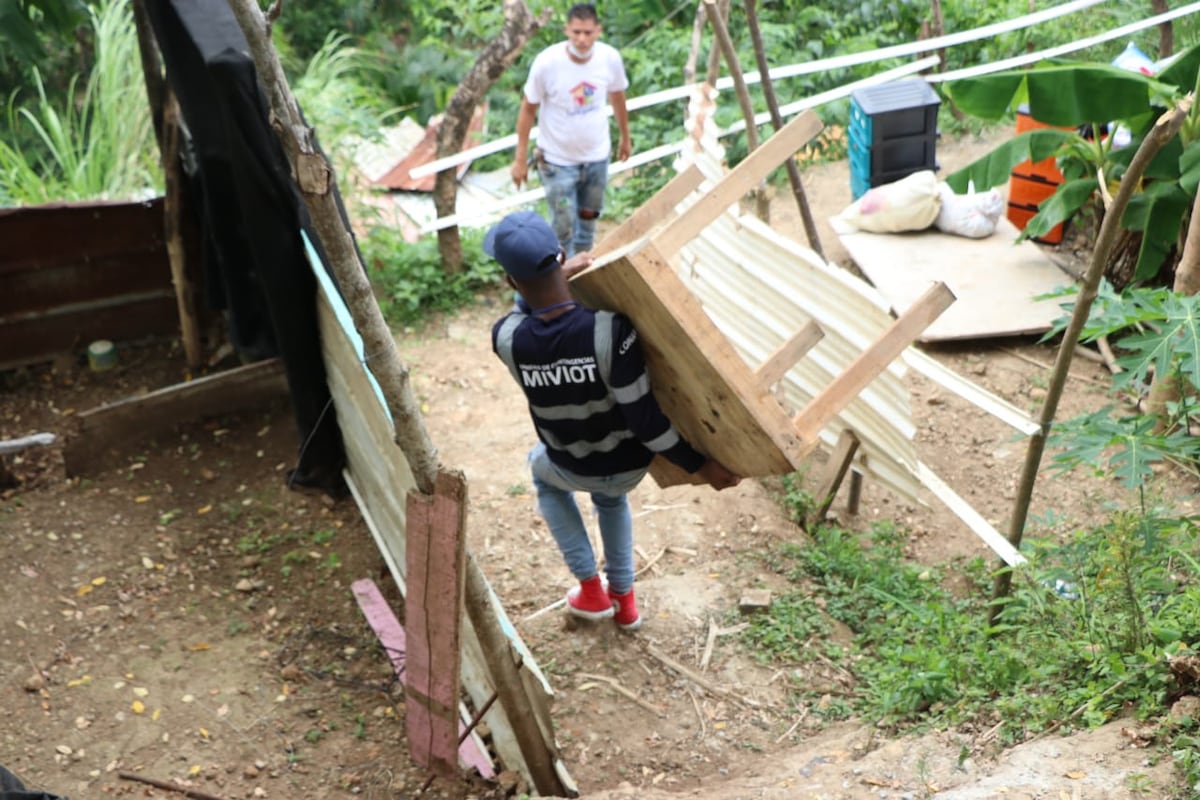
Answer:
(589, 600)
(627, 617)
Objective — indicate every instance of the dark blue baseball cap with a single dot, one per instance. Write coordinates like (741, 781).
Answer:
(524, 244)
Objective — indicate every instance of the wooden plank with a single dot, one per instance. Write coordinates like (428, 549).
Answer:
(436, 536)
(654, 211)
(872, 361)
(995, 279)
(134, 419)
(835, 471)
(32, 337)
(382, 619)
(740, 180)
(700, 381)
(772, 370)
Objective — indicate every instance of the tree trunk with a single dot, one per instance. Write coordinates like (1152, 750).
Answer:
(759, 193)
(497, 56)
(714, 55)
(768, 87)
(689, 67)
(1166, 388)
(152, 69)
(1166, 31)
(313, 176)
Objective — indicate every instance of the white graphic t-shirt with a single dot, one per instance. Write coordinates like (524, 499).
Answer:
(572, 125)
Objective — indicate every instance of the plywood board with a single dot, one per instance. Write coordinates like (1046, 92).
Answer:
(995, 279)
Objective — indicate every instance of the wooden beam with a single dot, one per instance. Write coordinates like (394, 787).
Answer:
(134, 419)
(871, 362)
(437, 549)
(835, 471)
(787, 354)
(505, 673)
(854, 494)
(653, 212)
(740, 180)
(174, 200)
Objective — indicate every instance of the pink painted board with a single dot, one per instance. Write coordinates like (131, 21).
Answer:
(391, 635)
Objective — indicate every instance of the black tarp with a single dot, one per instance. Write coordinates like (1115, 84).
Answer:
(251, 217)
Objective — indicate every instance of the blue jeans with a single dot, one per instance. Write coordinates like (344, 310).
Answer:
(572, 192)
(609, 498)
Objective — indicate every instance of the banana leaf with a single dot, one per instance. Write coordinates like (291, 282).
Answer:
(1059, 207)
(994, 168)
(1061, 94)
(1189, 168)
(1156, 212)
(1181, 72)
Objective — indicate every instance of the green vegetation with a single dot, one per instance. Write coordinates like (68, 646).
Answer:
(100, 145)
(1096, 621)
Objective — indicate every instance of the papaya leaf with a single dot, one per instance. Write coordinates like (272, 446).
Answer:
(1059, 207)
(1127, 448)
(995, 167)
(1175, 336)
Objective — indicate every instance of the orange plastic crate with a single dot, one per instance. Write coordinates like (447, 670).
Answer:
(1020, 215)
(1046, 169)
(1027, 191)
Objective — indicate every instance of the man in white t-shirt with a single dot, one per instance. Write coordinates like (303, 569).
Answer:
(568, 88)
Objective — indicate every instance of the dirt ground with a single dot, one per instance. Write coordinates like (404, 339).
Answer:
(181, 616)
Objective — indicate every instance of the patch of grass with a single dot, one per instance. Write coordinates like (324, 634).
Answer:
(1058, 658)
(257, 542)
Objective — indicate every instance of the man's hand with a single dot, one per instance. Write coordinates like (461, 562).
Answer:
(624, 148)
(577, 263)
(717, 475)
(520, 171)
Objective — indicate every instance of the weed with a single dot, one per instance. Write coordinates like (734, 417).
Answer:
(257, 542)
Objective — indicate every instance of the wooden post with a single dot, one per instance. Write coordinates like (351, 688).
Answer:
(436, 552)
(876, 358)
(173, 203)
(503, 667)
(854, 493)
(715, 18)
(768, 89)
(835, 471)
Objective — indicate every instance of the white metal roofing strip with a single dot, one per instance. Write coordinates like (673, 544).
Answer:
(967, 513)
(995, 405)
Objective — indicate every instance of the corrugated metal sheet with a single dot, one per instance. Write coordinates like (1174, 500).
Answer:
(760, 287)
